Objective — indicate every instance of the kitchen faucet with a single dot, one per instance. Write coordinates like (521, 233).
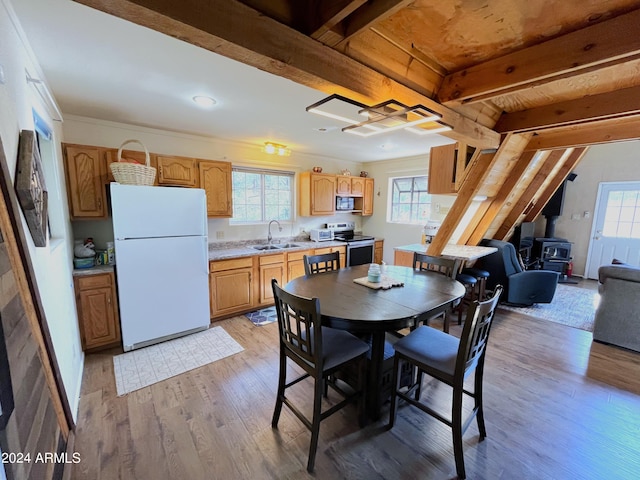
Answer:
(269, 236)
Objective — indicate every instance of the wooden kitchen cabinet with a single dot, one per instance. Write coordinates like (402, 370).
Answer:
(85, 172)
(230, 287)
(342, 252)
(367, 199)
(447, 167)
(97, 305)
(177, 171)
(270, 266)
(349, 186)
(295, 264)
(403, 258)
(215, 179)
(378, 251)
(317, 194)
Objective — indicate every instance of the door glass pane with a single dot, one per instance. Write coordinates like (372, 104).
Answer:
(622, 217)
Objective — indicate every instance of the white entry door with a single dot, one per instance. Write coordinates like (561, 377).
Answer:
(616, 227)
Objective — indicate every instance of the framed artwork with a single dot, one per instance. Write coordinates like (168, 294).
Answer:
(30, 187)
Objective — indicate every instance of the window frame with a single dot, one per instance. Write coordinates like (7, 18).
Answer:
(414, 204)
(263, 206)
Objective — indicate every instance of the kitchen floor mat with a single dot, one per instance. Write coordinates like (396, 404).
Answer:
(146, 366)
(263, 317)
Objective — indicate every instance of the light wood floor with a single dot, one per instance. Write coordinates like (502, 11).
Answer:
(556, 407)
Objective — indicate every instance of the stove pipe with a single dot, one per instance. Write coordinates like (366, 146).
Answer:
(550, 227)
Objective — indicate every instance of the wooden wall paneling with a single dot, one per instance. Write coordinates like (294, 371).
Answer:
(527, 198)
(478, 170)
(603, 131)
(39, 421)
(619, 103)
(236, 31)
(497, 203)
(583, 50)
(570, 163)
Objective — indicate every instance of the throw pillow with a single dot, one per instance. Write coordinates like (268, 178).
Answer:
(615, 261)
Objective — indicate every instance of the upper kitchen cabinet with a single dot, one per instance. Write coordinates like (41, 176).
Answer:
(317, 194)
(447, 165)
(178, 171)
(215, 179)
(346, 185)
(85, 172)
(367, 199)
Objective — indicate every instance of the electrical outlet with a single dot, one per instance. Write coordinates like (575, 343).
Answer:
(219, 235)
(586, 214)
(575, 216)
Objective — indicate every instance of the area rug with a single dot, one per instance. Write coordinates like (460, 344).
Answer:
(262, 317)
(572, 306)
(146, 366)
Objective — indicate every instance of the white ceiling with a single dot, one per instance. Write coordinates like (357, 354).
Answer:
(103, 67)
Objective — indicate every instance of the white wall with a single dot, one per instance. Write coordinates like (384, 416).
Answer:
(53, 263)
(602, 163)
(90, 131)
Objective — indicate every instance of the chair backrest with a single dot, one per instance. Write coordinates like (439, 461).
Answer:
(299, 327)
(446, 266)
(325, 262)
(475, 333)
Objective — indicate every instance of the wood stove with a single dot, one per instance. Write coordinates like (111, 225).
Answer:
(552, 253)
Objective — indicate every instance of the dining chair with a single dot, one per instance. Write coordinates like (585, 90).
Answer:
(449, 360)
(325, 262)
(320, 352)
(446, 266)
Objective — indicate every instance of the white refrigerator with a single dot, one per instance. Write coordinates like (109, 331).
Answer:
(162, 265)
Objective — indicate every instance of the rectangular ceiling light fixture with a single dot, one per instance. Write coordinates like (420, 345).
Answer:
(384, 117)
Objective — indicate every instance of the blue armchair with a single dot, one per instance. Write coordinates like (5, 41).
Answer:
(521, 287)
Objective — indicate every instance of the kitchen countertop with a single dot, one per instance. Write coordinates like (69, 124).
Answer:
(464, 252)
(98, 269)
(222, 251)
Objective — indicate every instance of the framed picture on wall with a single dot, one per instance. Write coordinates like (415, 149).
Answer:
(30, 187)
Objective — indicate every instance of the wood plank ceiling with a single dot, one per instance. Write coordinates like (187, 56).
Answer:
(529, 84)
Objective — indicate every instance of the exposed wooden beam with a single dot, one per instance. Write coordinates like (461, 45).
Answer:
(603, 131)
(607, 43)
(232, 29)
(498, 202)
(478, 169)
(370, 13)
(527, 199)
(328, 14)
(587, 109)
(570, 163)
(477, 218)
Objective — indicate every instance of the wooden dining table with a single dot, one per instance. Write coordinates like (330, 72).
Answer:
(348, 305)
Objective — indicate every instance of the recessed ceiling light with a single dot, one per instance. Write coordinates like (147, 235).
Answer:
(325, 129)
(204, 101)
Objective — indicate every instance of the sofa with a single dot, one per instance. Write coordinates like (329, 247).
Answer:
(521, 287)
(617, 319)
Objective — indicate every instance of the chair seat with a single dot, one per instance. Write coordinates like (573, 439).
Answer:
(339, 346)
(476, 272)
(466, 279)
(430, 347)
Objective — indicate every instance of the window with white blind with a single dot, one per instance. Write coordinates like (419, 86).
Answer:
(261, 195)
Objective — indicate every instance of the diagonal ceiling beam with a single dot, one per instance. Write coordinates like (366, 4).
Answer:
(570, 163)
(329, 14)
(232, 29)
(526, 200)
(595, 107)
(603, 131)
(607, 43)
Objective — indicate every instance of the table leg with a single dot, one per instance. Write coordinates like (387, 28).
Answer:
(374, 378)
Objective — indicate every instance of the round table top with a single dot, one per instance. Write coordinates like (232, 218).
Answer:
(349, 305)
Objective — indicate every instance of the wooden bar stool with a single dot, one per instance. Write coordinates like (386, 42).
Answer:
(469, 283)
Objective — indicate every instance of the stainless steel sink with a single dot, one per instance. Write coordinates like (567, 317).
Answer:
(288, 245)
(279, 246)
(266, 247)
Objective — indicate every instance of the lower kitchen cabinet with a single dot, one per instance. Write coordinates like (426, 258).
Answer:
(97, 305)
(295, 264)
(378, 251)
(230, 286)
(271, 266)
(342, 252)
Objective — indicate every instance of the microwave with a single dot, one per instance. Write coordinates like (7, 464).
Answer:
(344, 203)
(321, 234)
